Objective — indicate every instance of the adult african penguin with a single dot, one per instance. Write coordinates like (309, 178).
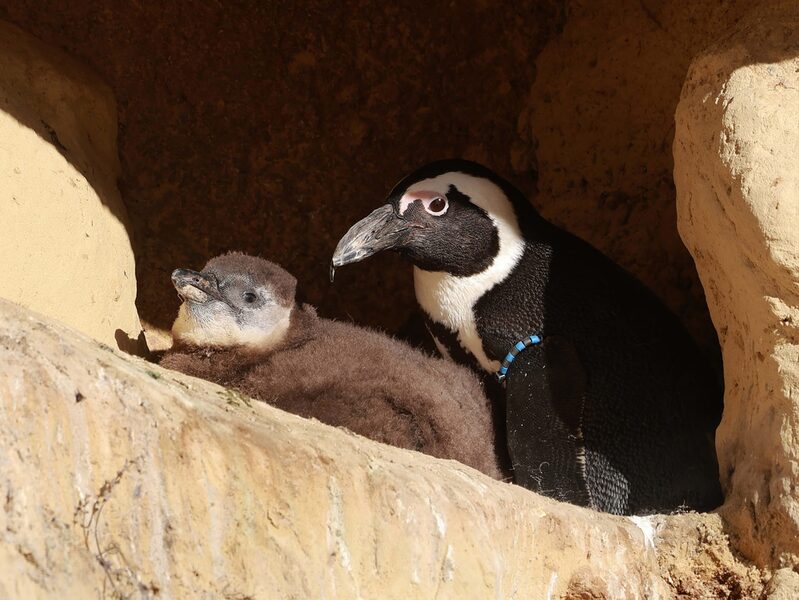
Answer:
(609, 403)
(240, 325)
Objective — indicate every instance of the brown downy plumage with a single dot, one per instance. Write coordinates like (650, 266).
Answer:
(239, 326)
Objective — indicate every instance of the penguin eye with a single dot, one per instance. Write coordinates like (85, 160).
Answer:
(436, 206)
(249, 297)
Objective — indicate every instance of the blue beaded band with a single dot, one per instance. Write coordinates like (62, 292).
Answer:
(525, 343)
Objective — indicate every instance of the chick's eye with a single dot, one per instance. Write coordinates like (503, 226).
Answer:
(250, 297)
(437, 206)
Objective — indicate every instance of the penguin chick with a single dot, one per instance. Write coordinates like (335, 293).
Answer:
(240, 326)
(609, 403)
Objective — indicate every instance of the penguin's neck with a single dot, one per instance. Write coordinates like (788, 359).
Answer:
(450, 300)
(223, 364)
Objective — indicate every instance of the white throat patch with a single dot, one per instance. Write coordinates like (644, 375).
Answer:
(450, 300)
(222, 332)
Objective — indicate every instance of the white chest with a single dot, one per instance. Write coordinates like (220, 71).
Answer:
(450, 301)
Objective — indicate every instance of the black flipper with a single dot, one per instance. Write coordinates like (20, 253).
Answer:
(545, 391)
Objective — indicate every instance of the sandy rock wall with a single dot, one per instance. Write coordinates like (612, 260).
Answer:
(64, 248)
(123, 478)
(737, 177)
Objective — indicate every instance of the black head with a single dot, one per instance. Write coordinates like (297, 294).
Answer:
(450, 216)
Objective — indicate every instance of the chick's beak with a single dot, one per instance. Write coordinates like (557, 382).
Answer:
(382, 229)
(196, 286)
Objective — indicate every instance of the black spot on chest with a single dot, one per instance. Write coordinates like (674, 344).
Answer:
(449, 339)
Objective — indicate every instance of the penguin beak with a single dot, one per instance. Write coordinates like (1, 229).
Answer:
(381, 230)
(195, 286)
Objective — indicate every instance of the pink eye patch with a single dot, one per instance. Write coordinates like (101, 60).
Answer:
(434, 203)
